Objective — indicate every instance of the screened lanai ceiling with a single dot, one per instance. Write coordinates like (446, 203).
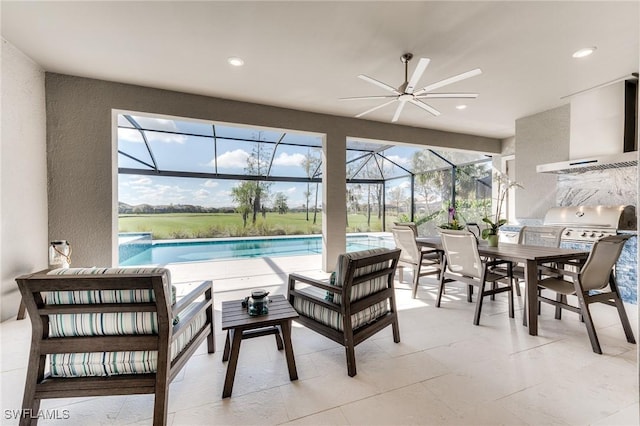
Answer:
(184, 148)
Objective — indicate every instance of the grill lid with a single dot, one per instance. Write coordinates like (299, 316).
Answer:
(611, 217)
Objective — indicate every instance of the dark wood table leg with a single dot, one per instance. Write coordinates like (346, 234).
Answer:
(278, 338)
(288, 349)
(531, 284)
(236, 339)
(21, 310)
(225, 353)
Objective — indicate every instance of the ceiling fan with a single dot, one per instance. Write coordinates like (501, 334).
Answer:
(407, 93)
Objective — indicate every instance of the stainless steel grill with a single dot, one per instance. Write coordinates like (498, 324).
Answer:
(591, 223)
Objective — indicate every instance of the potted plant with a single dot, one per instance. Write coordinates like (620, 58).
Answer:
(495, 222)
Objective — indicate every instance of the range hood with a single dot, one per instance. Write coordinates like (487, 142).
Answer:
(603, 129)
(625, 159)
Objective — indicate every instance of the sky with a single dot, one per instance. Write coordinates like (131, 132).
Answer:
(188, 146)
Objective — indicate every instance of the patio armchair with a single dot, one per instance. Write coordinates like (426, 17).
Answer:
(594, 282)
(110, 331)
(423, 262)
(462, 263)
(356, 303)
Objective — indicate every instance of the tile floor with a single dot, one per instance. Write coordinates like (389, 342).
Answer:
(445, 371)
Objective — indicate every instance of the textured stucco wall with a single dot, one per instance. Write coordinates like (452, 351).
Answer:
(81, 154)
(540, 138)
(23, 180)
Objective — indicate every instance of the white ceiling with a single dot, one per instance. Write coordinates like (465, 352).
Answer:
(305, 55)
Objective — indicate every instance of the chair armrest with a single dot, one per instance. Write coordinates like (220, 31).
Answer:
(325, 285)
(498, 262)
(555, 271)
(185, 301)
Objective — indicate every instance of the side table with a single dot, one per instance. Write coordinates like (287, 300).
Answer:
(240, 325)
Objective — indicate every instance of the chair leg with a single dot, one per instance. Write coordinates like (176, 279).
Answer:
(476, 318)
(560, 298)
(400, 273)
(396, 330)
(588, 321)
(516, 284)
(470, 293)
(624, 320)
(440, 291)
(621, 311)
(416, 281)
(512, 313)
(351, 359)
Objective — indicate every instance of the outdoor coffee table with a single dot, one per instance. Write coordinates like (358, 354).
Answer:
(240, 325)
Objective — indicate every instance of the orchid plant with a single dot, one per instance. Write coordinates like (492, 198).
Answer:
(495, 222)
(453, 222)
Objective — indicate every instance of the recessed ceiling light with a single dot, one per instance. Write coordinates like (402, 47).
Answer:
(584, 52)
(461, 106)
(235, 61)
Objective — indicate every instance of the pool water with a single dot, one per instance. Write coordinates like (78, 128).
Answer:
(195, 251)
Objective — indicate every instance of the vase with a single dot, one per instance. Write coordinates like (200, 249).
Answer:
(492, 240)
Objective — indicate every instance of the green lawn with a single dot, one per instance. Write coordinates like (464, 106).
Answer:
(212, 225)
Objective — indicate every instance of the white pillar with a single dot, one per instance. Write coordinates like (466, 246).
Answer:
(334, 199)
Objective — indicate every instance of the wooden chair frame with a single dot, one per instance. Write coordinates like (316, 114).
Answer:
(351, 337)
(40, 386)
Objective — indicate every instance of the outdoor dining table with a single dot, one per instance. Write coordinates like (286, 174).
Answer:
(531, 257)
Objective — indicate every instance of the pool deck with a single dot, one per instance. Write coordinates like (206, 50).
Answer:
(234, 279)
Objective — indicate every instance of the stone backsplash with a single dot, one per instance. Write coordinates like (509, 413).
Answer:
(610, 187)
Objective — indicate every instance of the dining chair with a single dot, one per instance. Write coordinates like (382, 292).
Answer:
(542, 236)
(423, 262)
(595, 282)
(462, 263)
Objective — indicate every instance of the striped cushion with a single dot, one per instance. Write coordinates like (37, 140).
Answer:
(365, 288)
(113, 363)
(109, 324)
(334, 319)
(71, 325)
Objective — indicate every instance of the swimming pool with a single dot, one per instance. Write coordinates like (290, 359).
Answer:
(176, 251)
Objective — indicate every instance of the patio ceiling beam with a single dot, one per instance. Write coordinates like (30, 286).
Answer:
(204, 175)
(169, 132)
(135, 124)
(136, 159)
(273, 154)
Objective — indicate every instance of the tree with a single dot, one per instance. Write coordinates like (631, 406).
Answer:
(310, 164)
(257, 164)
(242, 195)
(280, 203)
(397, 197)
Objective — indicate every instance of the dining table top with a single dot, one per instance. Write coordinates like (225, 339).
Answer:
(531, 256)
(516, 252)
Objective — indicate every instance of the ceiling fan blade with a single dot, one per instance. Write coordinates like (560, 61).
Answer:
(375, 108)
(449, 80)
(362, 98)
(448, 95)
(417, 74)
(425, 107)
(378, 83)
(398, 112)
